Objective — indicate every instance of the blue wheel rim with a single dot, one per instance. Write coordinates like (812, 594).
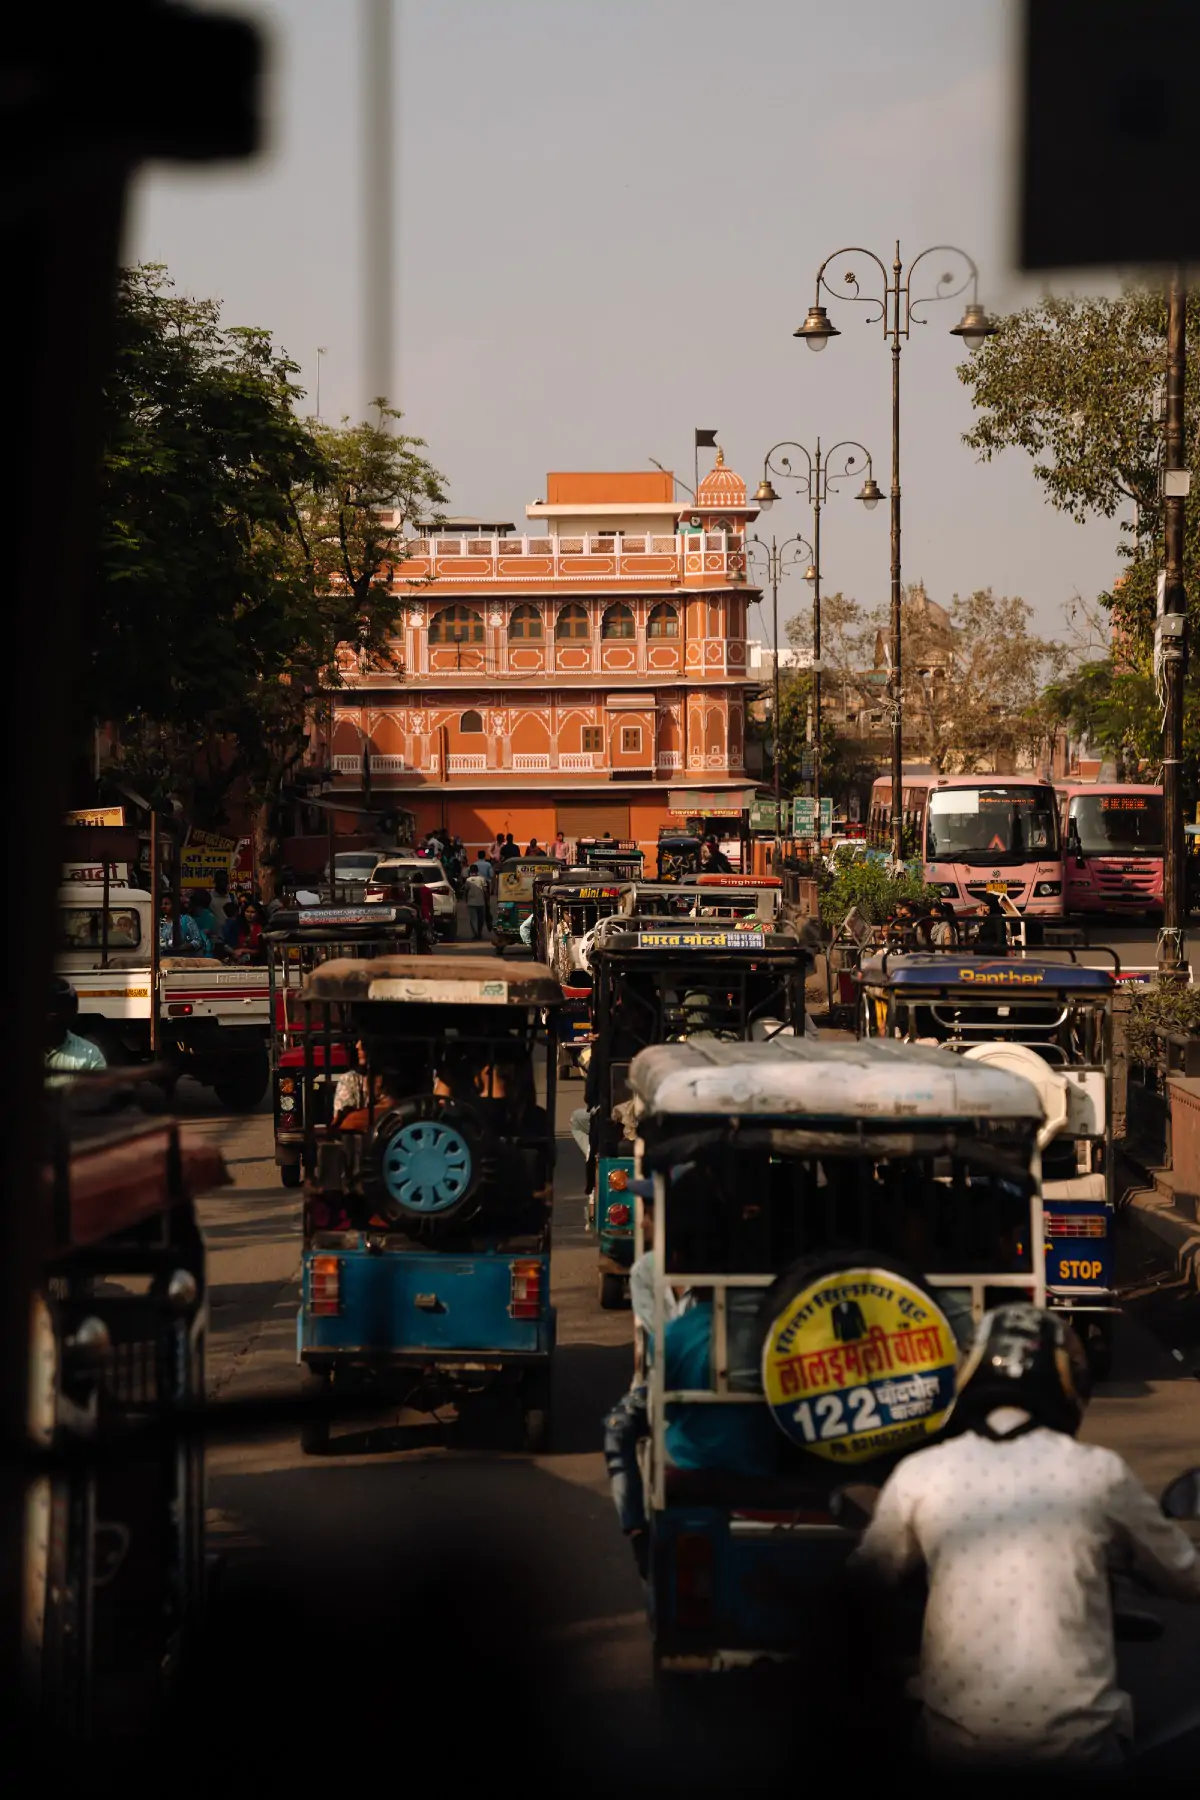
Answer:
(427, 1166)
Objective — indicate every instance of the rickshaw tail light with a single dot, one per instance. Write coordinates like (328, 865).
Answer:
(694, 1596)
(325, 1286)
(618, 1214)
(618, 1180)
(526, 1299)
(287, 1085)
(1083, 1225)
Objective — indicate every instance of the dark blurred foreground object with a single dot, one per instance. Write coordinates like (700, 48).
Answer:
(1109, 156)
(86, 95)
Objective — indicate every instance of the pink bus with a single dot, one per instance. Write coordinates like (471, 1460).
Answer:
(994, 834)
(1112, 847)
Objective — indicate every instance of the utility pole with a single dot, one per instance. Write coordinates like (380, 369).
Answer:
(378, 212)
(1171, 640)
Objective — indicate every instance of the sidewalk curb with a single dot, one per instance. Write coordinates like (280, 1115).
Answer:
(1147, 1206)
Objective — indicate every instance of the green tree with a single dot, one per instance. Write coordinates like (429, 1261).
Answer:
(245, 553)
(1076, 385)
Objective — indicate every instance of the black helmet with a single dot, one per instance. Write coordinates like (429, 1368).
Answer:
(1028, 1358)
(63, 1005)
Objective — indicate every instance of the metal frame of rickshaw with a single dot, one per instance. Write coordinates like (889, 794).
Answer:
(371, 1243)
(551, 898)
(1092, 1006)
(504, 931)
(700, 965)
(375, 934)
(736, 896)
(794, 1512)
(620, 859)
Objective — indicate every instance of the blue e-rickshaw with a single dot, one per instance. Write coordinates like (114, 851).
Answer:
(767, 1160)
(426, 1259)
(1049, 1020)
(657, 980)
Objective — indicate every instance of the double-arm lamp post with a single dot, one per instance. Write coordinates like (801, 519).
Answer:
(820, 475)
(897, 310)
(778, 562)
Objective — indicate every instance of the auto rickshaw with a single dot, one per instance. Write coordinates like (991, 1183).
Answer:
(297, 940)
(426, 1263)
(767, 1161)
(724, 897)
(616, 859)
(568, 912)
(658, 980)
(678, 855)
(1050, 1021)
(515, 880)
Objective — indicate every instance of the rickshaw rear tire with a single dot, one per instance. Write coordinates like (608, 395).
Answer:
(291, 1174)
(315, 1430)
(1098, 1348)
(613, 1291)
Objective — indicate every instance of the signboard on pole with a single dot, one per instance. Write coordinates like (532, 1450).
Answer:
(804, 816)
(205, 855)
(241, 875)
(84, 866)
(762, 816)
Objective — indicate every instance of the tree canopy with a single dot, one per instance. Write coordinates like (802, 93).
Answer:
(242, 547)
(1076, 384)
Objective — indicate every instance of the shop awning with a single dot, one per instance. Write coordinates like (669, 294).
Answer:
(710, 803)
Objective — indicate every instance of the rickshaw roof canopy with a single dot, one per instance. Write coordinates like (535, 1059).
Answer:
(587, 890)
(1004, 974)
(877, 1080)
(433, 980)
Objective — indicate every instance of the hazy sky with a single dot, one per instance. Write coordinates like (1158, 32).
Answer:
(611, 214)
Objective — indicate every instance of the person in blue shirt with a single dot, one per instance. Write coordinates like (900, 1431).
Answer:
(66, 1052)
(191, 938)
(736, 1437)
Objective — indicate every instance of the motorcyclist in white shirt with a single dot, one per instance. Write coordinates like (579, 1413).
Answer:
(1015, 1522)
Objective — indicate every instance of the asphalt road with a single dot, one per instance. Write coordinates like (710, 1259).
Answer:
(414, 1533)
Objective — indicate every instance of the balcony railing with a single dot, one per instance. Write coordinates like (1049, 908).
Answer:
(577, 762)
(474, 764)
(622, 557)
(530, 761)
(670, 759)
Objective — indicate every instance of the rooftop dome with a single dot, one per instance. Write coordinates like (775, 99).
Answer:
(721, 487)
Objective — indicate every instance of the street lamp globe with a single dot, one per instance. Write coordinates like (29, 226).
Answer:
(974, 326)
(810, 574)
(869, 493)
(765, 495)
(816, 329)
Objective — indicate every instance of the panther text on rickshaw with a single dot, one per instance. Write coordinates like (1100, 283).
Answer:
(1051, 1022)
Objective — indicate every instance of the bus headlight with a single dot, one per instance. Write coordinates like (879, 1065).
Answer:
(948, 888)
(1045, 888)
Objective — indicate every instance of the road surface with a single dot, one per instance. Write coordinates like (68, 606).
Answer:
(429, 1541)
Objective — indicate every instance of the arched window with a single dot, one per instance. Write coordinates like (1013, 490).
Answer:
(526, 622)
(618, 622)
(456, 625)
(663, 622)
(572, 622)
(471, 721)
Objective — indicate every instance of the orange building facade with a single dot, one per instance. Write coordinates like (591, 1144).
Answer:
(588, 675)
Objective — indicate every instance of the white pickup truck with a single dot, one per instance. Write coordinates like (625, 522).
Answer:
(213, 1017)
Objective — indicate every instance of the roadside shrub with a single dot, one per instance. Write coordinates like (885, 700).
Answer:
(856, 881)
(1169, 1008)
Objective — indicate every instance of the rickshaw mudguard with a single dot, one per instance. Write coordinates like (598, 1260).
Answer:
(724, 1581)
(394, 1303)
(616, 1240)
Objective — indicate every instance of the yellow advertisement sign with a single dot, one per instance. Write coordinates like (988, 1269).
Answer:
(96, 815)
(858, 1364)
(205, 856)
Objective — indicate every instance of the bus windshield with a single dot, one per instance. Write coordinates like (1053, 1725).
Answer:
(1116, 824)
(991, 823)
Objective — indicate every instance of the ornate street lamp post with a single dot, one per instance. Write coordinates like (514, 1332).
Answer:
(821, 474)
(777, 566)
(898, 311)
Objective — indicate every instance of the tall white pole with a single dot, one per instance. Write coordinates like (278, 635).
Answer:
(378, 203)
